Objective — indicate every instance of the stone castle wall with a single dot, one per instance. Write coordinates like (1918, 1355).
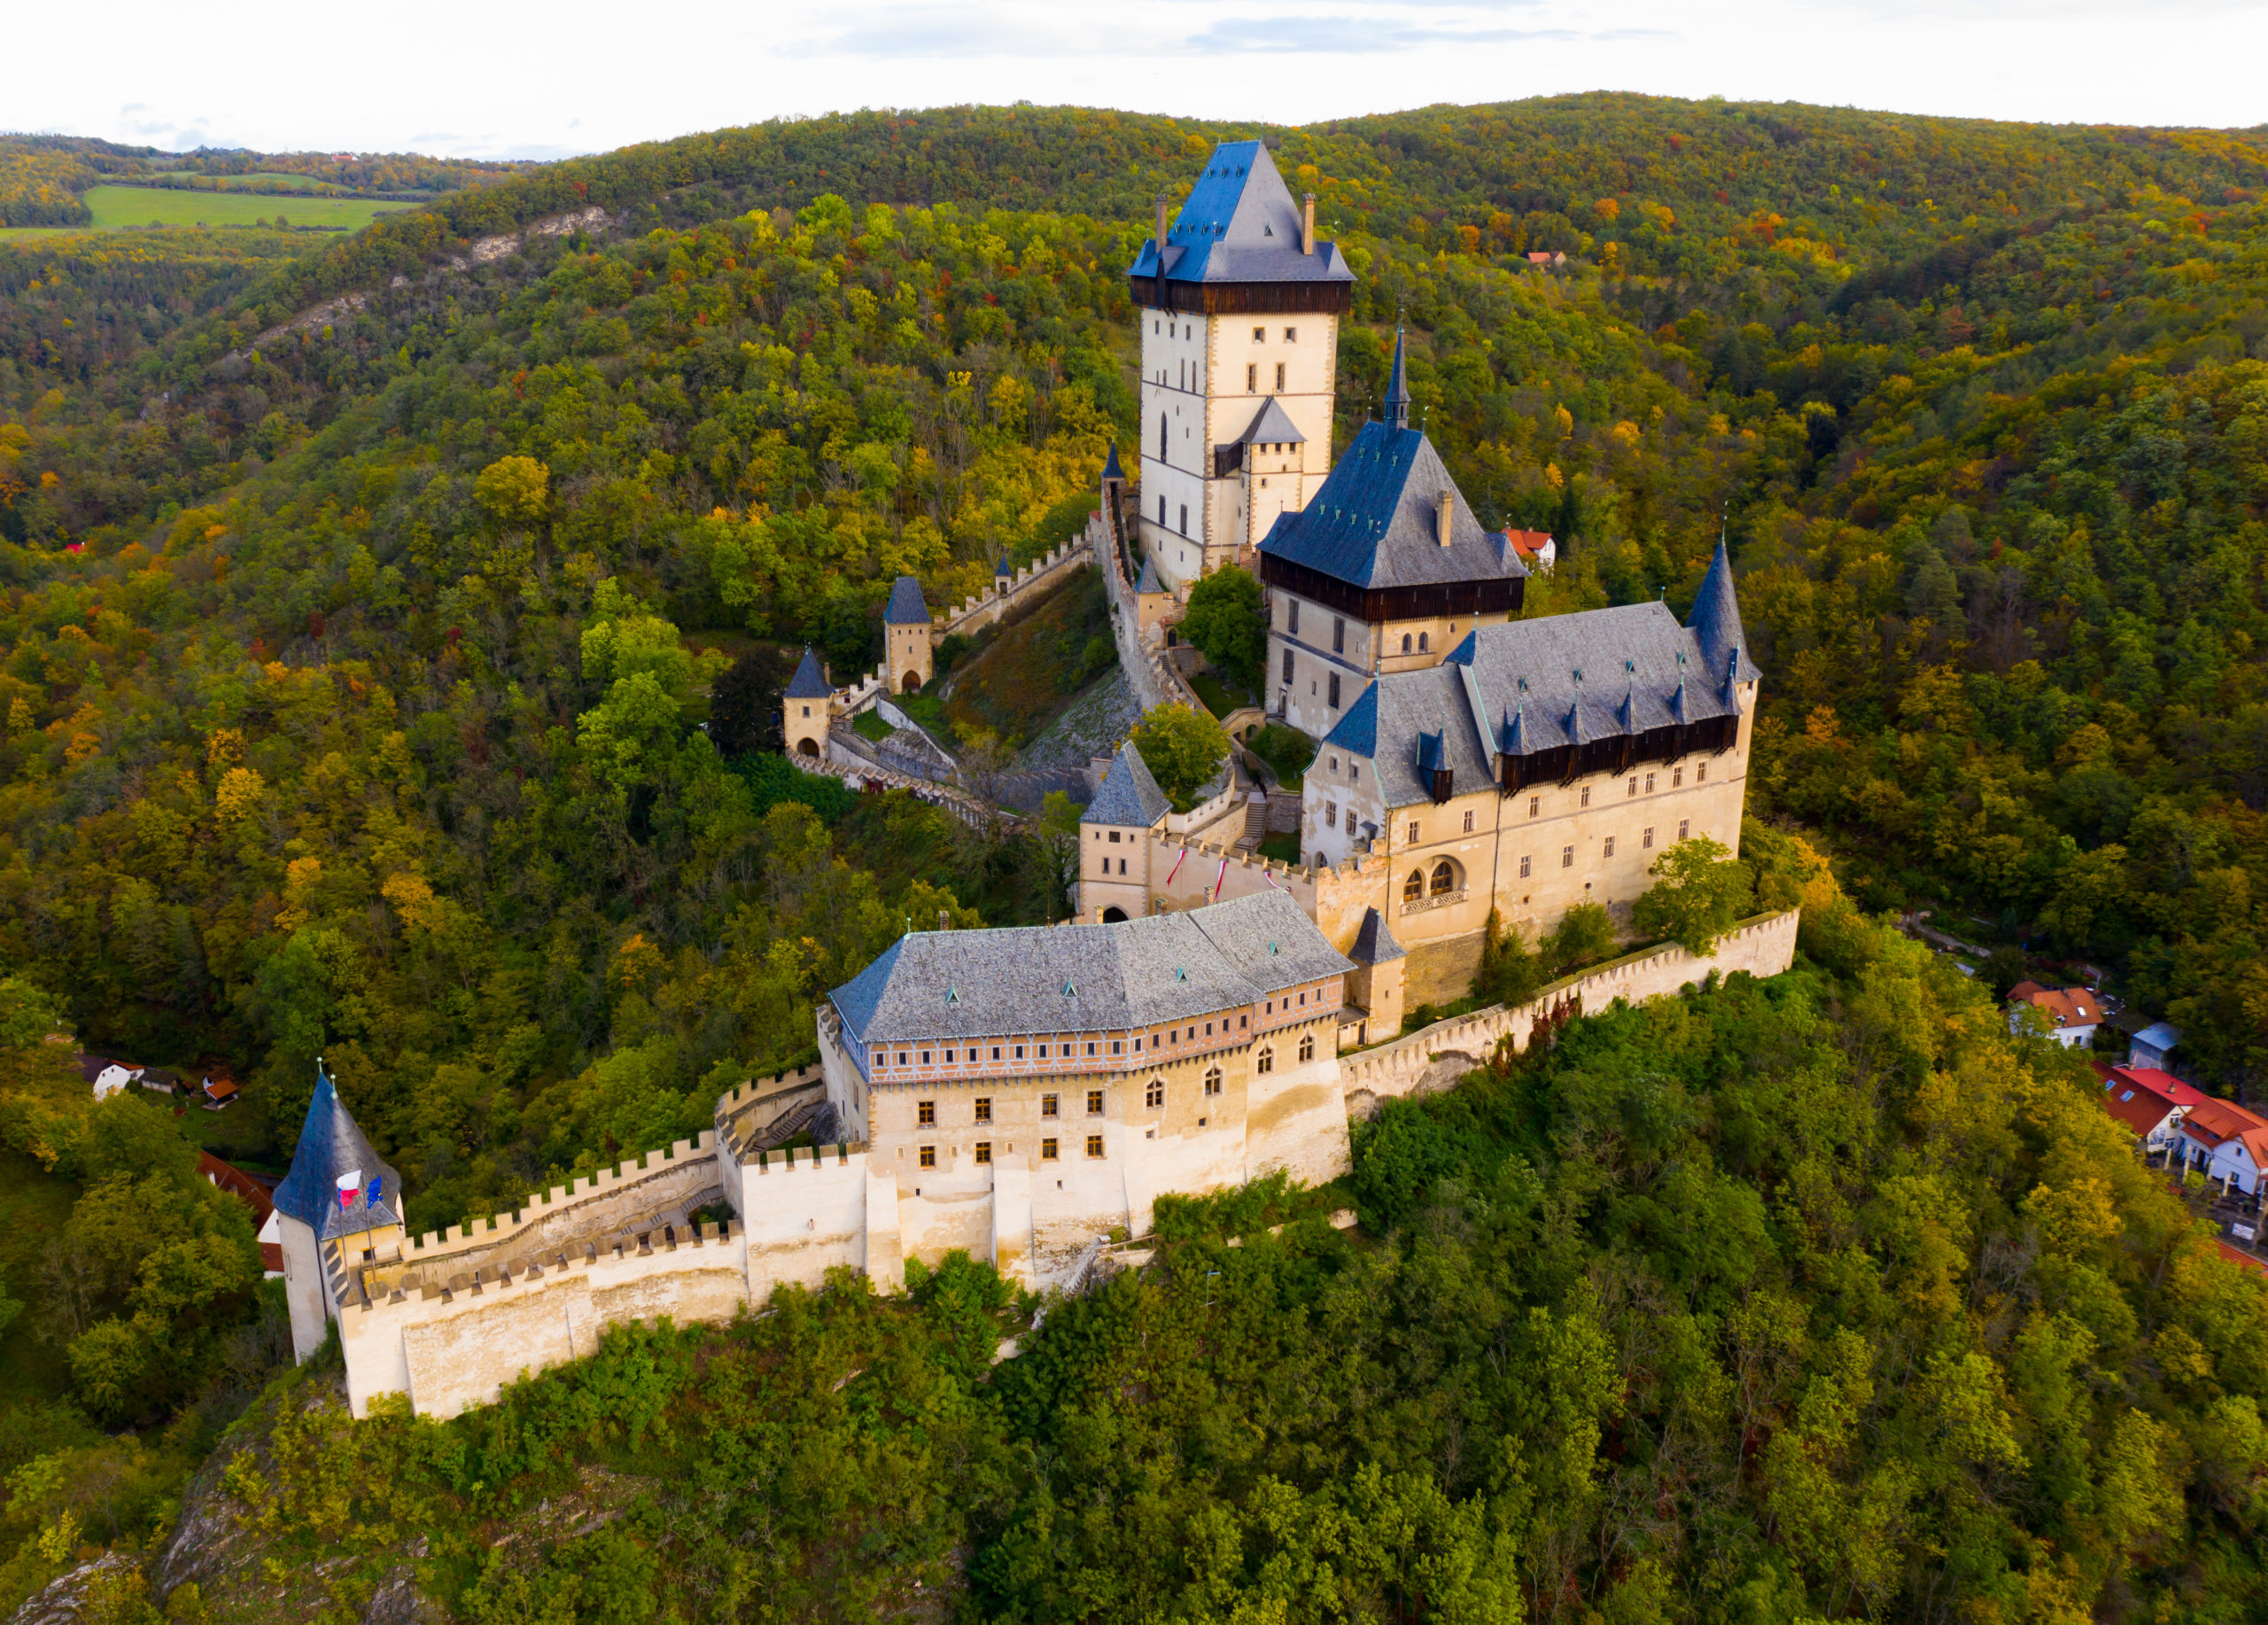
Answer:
(471, 1309)
(1435, 1057)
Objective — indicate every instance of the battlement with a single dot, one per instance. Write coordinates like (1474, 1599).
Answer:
(478, 1235)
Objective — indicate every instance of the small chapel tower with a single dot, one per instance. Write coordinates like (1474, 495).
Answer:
(908, 637)
(807, 709)
(1240, 307)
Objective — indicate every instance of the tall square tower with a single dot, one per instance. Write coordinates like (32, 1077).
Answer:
(1239, 306)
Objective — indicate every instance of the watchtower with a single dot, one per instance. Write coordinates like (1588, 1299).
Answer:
(908, 636)
(807, 709)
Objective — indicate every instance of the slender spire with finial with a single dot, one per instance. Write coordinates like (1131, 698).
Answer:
(1397, 387)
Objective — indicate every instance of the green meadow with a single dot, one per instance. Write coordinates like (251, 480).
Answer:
(118, 208)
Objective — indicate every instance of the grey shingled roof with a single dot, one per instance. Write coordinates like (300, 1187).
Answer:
(1149, 583)
(331, 1144)
(987, 984)
(1475, 702)
(1716, 623)
(1273, 426)
(809, 682)
(1129, 797)
(1240, 224)
(1371, 524)
(906, 607)
(1374, 944)
(1110, 470)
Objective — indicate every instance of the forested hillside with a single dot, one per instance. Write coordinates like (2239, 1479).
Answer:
(361, 607)
(1810, 1299)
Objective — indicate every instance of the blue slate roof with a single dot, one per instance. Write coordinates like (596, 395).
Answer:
(809, 682)
(1371, 524)
(1110, 470)
(1240, 224)
(906, 607)
(1129, 797)
(331, 1144)
(1042, 979)
(1527, 686)
(1716, 623)
(1357, 731)
(1149, 583)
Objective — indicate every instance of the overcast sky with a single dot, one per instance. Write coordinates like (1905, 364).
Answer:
(479, 78)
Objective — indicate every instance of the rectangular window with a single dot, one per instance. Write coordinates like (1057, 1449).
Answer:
(1586, 796)
(1535, 805)
(1090, 1046)
(1646, 842)
(1155, 1095)
(1676, 778)
(1633, 784)
(1213, 1081)
(1121, 865)
(1047, 1150)
(1609, 846)
(925, 1113)
(1566, 857)
(984, 1108)
(1117, 1046)
(1020, 1052)
(1334, 691)
(1113, 837)
(1047, 1108)
(1684, 824)
(1330, 815)
(1413, 833)
(949, 1057)
(1468, 820)
(1094, 1102)
(1094, 1145)
(1338, 634)
(1185, 518)
(1287, 665)
(928, 1156)
(1291, 335)
(925, 1057)
(983, 1150)
(1279, 378)
(1043, 1052)
(1292, 617)
(996, 1051)
(1252, 379)
(1700, 772)
(1260, 335)
(1523, 868)
(1650, 785)
(901, 1057)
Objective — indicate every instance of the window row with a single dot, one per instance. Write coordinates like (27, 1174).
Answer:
(1049, 1150)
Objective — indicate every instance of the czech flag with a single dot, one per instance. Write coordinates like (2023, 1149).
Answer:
(350, 1185)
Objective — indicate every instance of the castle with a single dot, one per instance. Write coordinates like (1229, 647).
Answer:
(1022, 1093)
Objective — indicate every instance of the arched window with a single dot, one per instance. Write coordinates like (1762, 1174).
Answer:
(1266, 1061)
(1444, 877)
(1423, 638)
(1414, 887)
(1405, 643)
(1213, 1081)
(1307, 1046)
(1153, 1094)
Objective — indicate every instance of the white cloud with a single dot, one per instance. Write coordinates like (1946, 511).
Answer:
(479, 78)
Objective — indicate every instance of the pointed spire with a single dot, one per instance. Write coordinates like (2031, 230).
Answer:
(809, 682)
(1677, 700)
(1110, 470)
(1397, 387)
(1575, 711)
(1716, 622)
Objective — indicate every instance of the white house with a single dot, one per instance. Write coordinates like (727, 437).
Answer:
(2223, 1141)
(2072, 1014)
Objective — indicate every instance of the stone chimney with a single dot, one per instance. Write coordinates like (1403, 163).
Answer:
(1161, 224)
(1307, 225)
(1442, 520)
(944, 920)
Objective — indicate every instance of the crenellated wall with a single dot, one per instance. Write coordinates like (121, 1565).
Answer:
(1435, 1057)
(456, 1315)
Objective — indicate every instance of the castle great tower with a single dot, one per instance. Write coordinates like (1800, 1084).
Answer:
(1239, 306)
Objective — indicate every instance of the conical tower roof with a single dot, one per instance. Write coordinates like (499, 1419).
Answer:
(1110, 470)
(1716, 623)
(332, 1144)
(809, 682)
